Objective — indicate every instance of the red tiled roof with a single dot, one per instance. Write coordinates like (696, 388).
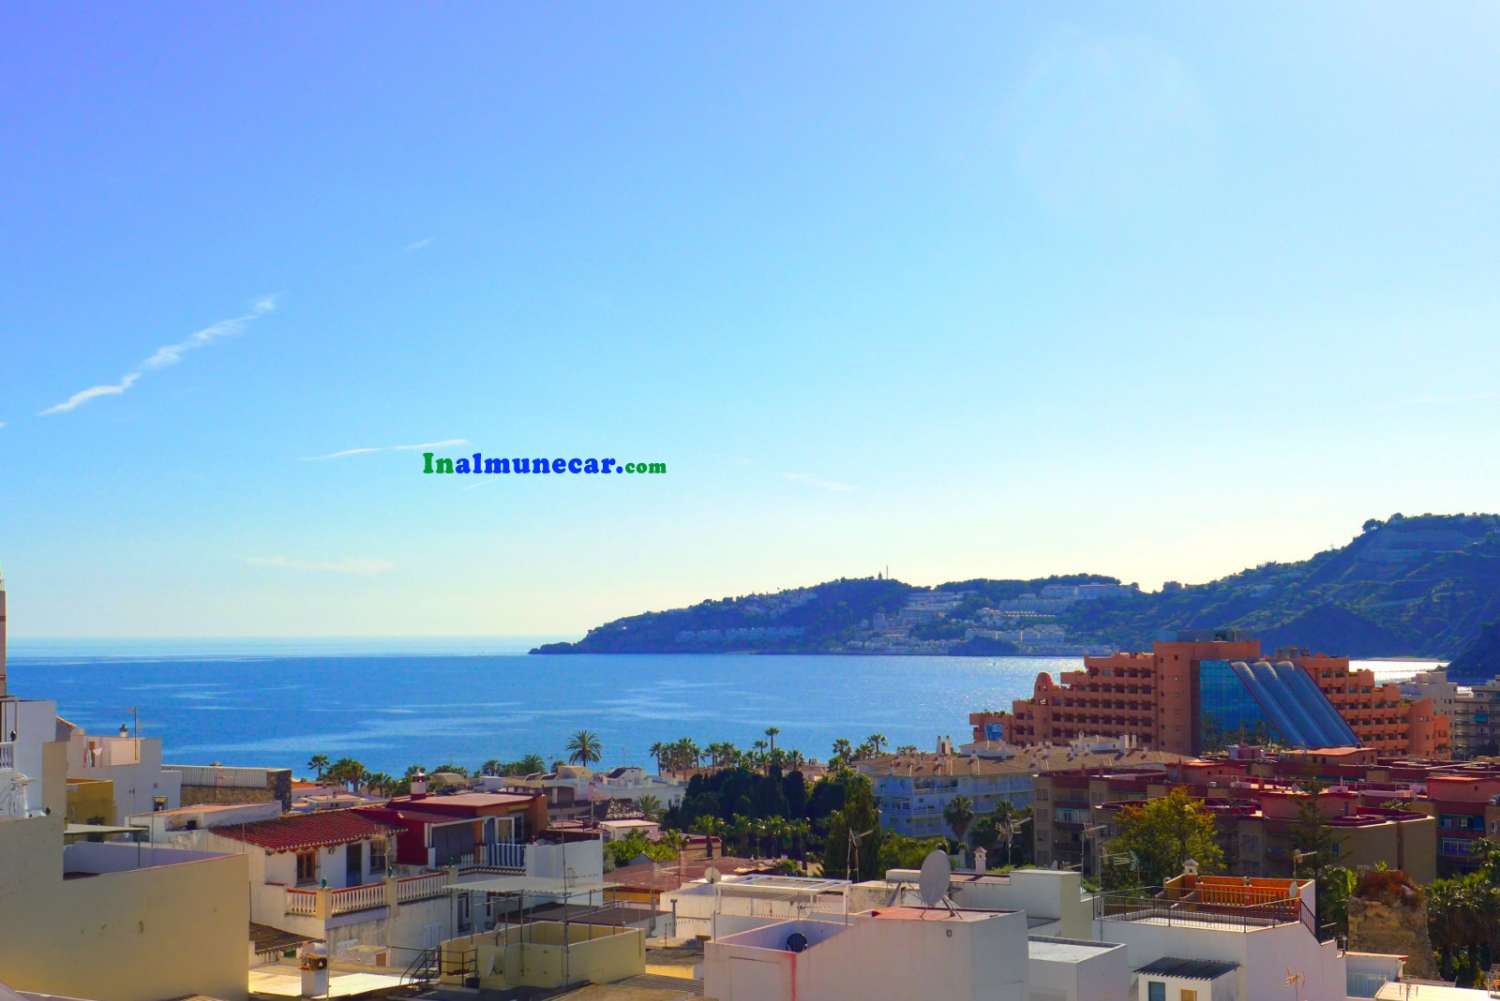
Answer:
(296, 832)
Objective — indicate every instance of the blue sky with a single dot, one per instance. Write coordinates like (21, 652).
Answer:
(1159, 291)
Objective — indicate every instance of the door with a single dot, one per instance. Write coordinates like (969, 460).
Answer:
(354, 861)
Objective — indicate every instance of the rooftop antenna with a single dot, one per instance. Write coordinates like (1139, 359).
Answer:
(932, 885)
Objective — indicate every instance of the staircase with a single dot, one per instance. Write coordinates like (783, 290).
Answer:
(421, 971)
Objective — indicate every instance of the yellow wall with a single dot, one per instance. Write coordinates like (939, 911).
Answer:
(600, 954)
(141, 935)
(90, 798)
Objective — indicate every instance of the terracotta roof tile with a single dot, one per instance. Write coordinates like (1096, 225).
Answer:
(297, 832)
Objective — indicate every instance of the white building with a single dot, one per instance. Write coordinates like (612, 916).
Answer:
(327, 876)
(895, 954)
(1053, 899)
(583, 785)
(133, 764)
(1225, 938)
(714, 908)
(912, 791)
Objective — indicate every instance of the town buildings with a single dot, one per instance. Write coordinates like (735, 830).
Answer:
(133, 764)
(575, 792)
(104, 920)
(1195, 695)
(1422, 816)
(1473, 711)
(912, 791)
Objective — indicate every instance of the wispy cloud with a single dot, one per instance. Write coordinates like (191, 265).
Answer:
(418, 447)
(358, 568)
(416, 245)
(166, 356)
(821, 484)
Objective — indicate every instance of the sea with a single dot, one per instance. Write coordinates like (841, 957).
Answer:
(392, 704)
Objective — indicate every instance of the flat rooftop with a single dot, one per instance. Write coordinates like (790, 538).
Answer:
(1065, 950)
(932, 914)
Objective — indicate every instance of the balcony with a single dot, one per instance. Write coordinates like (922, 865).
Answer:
(301, 902)
(7, 754)
(327, 902)
(356, 898)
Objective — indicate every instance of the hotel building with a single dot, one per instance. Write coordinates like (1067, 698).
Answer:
(1203, 694)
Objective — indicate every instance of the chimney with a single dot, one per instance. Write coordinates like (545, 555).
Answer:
(419, 785)
(981, 861)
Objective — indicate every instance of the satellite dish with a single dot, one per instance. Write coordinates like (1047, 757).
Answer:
(796, 942)
(712, 875)
(936, 872)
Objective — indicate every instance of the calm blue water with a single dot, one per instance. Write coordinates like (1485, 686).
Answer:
(392, 710)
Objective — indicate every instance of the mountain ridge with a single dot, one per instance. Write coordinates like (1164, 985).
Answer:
(1425, 586)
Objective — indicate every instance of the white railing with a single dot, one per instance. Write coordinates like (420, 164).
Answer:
(420, 887)
(356, 898)
(301, 901)
(506, 855)
(7, 754)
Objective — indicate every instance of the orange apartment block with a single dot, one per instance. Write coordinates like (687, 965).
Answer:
(1157, 699)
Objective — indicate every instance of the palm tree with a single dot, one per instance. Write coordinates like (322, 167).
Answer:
(650, 806)
(794, 761)
(659, 752)
(710, 827)
(346, 772)
(1004, 817)
(876, 741)
(585, 748)
(319, 764)
(959, 813)
(380, 782)
(843, 751)
(491, 767)
(531, 764)
(742, 828)
(771, 732)
(776, 830)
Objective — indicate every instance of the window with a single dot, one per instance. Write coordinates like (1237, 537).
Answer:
(378, 864)
(1156, 991)
(307, 868)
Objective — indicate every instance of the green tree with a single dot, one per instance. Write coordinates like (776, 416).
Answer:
(531, 764)
(1161, 835)
(650, 806)
(346, 772)
(710, 827)
(319, 765)
(585, 748)
(771, 732)
(959, 813)
(877, 742)
(843, 753)
(898, 851)
(853, 847)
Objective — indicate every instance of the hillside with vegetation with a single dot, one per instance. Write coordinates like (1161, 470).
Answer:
(1424, 586)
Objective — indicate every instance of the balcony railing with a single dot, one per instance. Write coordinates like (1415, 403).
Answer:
(303, 902)
(420, 887)
(1190, 911)
(505, 855)
(7, 754)
(356, 898)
